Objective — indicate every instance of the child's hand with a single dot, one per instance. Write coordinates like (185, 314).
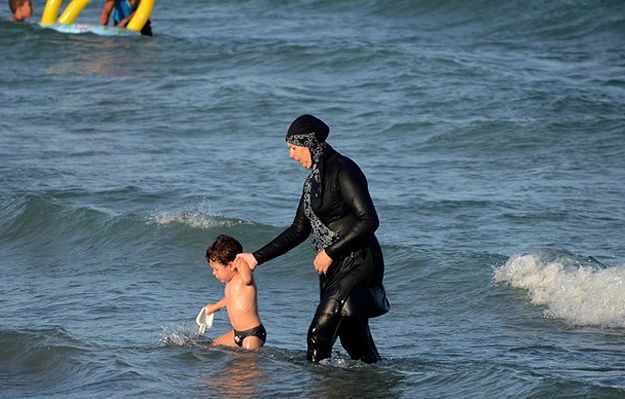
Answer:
(211, 308)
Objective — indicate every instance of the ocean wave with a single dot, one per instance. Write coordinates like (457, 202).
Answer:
(195, 219)
(511, 20)
(578, 291)
(53, 362)
(15, 343)
(41, 218)
(40, 357)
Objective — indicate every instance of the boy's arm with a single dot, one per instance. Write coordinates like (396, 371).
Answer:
(215, 307)
(124, 22)
(106, 12)
(245, 272)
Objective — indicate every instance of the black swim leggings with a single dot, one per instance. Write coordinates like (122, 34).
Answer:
(353, 332)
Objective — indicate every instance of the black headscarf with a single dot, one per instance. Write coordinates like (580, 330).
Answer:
(308, 125)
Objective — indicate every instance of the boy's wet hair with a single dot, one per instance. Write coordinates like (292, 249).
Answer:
(13, 4)
(224, 249)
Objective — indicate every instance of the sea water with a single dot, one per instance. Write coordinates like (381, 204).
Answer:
(493, 139)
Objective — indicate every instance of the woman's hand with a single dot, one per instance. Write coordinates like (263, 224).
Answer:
(249, 259)
(245, 272)
(322, 262)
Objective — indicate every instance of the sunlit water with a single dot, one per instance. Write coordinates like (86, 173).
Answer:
(493, 139)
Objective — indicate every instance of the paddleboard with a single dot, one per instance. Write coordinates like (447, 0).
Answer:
(94, 29)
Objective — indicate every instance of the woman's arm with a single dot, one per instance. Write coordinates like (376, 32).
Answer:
(294, 235)
(355, 192)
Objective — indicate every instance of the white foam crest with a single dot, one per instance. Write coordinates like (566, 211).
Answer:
(578, 294)
(195, 219)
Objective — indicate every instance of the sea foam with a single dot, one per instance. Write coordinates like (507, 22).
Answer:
(177, 336)
(195, 219)
(578, 292)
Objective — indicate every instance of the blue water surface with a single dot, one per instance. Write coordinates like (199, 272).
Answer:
(492, 136)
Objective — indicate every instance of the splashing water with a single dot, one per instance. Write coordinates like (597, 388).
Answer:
(177, 336)
(581, 294)
(195, 219)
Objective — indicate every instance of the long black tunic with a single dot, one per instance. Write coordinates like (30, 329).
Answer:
(353, 282)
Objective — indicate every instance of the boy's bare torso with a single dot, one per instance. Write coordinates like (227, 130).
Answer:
(241, 304)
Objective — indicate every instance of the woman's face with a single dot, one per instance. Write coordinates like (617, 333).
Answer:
(300, 154)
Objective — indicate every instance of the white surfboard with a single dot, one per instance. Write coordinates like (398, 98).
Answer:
(94, 29)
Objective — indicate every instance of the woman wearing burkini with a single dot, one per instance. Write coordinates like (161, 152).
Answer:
(336, 207)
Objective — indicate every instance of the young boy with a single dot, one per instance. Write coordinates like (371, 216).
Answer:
(239, 295)
(21, 9)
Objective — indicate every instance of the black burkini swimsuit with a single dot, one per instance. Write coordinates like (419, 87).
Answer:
(351, 291)
(258, 331)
